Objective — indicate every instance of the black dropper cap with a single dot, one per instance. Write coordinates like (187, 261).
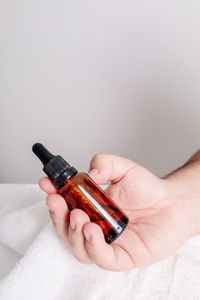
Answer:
(56, 168)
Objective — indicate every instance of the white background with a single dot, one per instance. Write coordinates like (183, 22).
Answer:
(93, 76)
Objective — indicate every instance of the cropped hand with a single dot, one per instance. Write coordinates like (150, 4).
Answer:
(160, 221)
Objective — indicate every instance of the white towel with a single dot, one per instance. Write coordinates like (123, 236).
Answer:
(45, 268)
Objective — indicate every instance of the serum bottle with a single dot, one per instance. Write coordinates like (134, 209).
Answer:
(80, 191)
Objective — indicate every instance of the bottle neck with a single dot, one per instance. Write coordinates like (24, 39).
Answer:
(60, 180)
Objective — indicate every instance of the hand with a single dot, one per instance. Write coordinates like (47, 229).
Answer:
(159, 220)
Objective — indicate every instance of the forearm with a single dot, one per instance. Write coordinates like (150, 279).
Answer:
(186, 182)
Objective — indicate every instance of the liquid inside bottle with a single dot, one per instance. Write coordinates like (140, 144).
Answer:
(80, 191)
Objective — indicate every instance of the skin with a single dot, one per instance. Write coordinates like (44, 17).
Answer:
(163, 213)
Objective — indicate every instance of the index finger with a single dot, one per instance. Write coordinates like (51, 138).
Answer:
(110, 167)
(47, 186)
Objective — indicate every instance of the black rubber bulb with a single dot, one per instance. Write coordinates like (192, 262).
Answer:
(42, 153)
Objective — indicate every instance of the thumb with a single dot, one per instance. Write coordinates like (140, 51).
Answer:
(104, 167)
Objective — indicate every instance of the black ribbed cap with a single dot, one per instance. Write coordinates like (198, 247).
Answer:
(56, 168)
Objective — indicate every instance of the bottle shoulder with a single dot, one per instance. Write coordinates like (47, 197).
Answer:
(79, 177)
(82, 174)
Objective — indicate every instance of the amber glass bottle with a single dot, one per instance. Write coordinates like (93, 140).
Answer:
(80, 191)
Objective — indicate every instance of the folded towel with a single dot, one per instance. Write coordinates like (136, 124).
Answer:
(45, 268)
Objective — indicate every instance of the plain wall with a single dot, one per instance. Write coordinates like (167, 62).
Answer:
(86, 77)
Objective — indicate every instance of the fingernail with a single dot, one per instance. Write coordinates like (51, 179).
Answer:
(72, 223)
(87, 235)
(50, 209)
(94, 172)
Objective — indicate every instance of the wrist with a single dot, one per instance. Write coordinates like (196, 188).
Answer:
(183, 184)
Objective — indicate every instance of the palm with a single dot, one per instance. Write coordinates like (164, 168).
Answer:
(158, 222)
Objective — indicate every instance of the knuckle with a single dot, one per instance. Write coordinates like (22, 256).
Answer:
(93, 253)
(72, 239)
(78, 250)
(97, 157)
(97, 160)
(49, 200)
(81, 259)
